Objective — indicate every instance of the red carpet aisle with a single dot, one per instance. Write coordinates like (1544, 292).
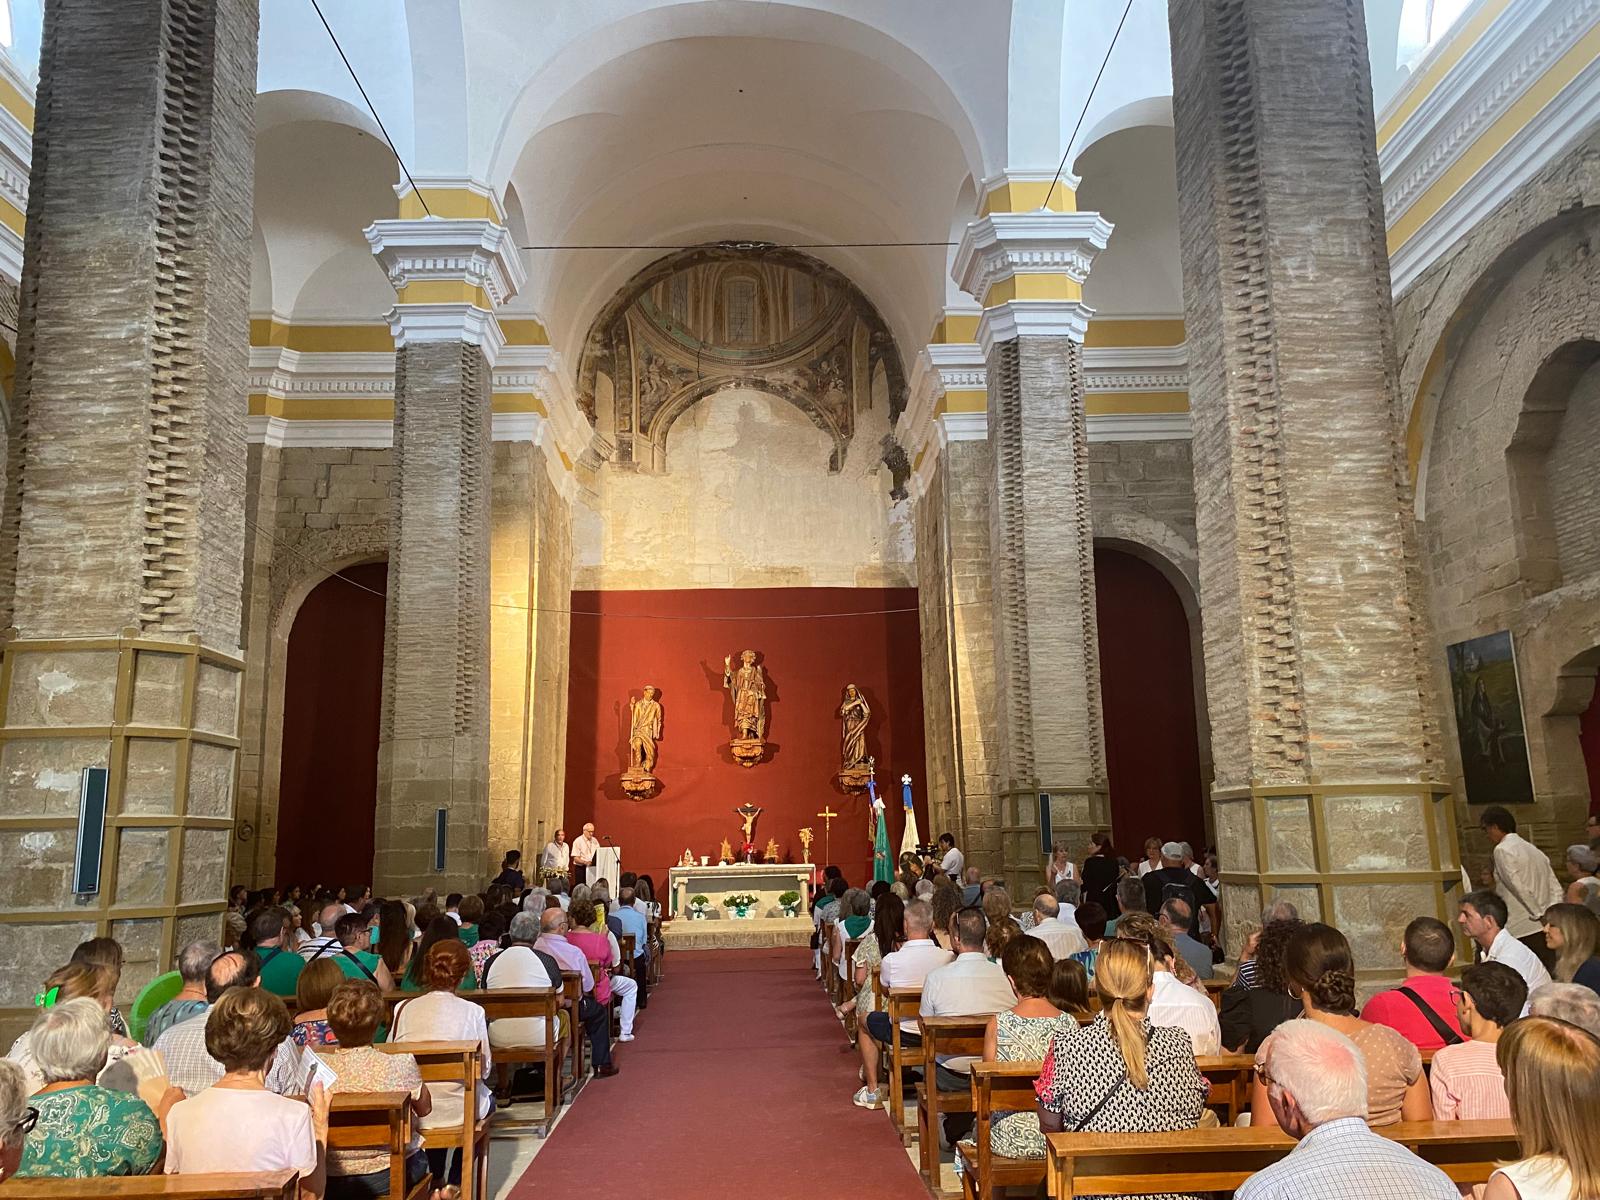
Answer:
(738, 1087)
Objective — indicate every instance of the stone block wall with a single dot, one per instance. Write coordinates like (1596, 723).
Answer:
(1498, 343)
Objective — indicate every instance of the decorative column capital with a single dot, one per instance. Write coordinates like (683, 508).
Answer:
(1028, 269)
(449, 275)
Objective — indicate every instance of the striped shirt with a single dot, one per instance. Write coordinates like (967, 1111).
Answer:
(1467, 1084)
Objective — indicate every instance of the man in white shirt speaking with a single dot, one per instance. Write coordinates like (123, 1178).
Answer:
(1524, 879)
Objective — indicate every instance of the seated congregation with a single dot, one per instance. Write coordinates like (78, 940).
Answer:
(356, 1044)
(1006, 1038)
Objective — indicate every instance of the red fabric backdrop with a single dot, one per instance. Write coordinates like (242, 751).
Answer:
(676, 640)
(328, 786)
(1147, 691)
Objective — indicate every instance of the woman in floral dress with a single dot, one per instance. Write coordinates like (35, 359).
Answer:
(1022, 1034)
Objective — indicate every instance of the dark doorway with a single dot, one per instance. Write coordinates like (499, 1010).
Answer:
(328, 781)
(1147, 697)
(1589, 738)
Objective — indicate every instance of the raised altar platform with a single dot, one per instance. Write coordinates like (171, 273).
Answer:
(765, 926)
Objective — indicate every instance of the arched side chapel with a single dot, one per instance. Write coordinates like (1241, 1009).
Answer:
(530, 434)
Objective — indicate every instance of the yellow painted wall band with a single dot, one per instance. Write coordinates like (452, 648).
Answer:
(455, 203)
(335, 408)
(321, 339)
(12, 217)
(518, 402)
(962, 401)
(955, 328)
(1107, 404)
(523, 331)
(1027, 195)
(1493, 139)
(1112, 332)
(1048, 286)
(1456, 44)
(15, 103)
(444, 291)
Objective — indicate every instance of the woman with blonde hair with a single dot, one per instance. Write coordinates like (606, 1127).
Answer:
(1573, 932)
(1119, 1073)
(75, 981)
(1059, 865)
(1552, 1074)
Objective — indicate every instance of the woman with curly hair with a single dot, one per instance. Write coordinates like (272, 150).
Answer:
(1319, 968)
(1250, 1013)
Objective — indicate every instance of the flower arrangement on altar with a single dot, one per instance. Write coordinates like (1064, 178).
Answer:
(790, 902)
(698, 906)
(741, 903)
(747, 852)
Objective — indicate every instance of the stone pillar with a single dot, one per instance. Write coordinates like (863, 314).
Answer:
(121, 541)
(1028, 270)
(433, 749)
(1323, 724)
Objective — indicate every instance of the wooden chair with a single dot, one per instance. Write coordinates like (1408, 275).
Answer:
(942, 1036)
(577, 1048)
(1230, 1076)
(997, 1089)
(502, 1003)
(905, 1004)
(376, 1121)
(658, 949)
(458, 1063)
(1220, 1160)
(628, 945)
(244, 1185)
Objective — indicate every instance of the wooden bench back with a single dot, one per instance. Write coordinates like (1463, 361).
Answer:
(1230, 1076)
(373, 1121)
(244, 1185)
(1220, 1160)
(999, 1088)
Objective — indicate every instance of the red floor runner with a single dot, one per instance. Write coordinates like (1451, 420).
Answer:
(737, 1089)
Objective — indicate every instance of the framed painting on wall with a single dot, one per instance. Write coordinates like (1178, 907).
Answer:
(1489, 728)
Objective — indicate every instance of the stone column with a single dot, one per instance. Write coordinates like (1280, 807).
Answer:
(433, 749)
(1323, 724)
(121, 542)
(1028, 270)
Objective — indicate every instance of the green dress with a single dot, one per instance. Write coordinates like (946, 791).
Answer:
(280, 970)
(88, 1130)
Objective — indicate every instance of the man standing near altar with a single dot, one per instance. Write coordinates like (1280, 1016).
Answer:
(556, 858)
(584, 851)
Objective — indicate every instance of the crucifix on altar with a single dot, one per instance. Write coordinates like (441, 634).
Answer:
(827, 814)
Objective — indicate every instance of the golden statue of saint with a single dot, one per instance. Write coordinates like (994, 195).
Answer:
(748, 687)
(644, 730)
(855, 713)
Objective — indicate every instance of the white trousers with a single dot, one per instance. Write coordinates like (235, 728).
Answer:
(628, 990)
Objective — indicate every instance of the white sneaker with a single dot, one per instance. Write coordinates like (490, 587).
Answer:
(625, 1037)
(866, 1099)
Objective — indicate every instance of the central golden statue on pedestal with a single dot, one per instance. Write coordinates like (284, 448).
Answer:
(748, 688)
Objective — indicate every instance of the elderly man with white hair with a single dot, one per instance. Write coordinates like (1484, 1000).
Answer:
(1063, 939)
(535, 901)
(1583, 864)
(1570, 1002)
(190, 1001)
(1316, 1082)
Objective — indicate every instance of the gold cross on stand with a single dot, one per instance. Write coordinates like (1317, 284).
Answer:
(827, 814)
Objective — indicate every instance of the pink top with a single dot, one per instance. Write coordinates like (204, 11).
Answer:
(596, 948)
(1467, 1084)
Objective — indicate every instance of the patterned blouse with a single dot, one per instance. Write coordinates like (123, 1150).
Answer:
(866, 955)
(1085, 1067)
(87, 1130)
(1022, 1039)
(315, 1032)
(368, 1069)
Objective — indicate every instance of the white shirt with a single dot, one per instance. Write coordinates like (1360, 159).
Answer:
(1147, 866)
(1063, 939)
(585, 848)
(235, 1129)
(1525, 880)
(953, 863)
(909, 967)
(446, 1017)
(454, 916)
(308, 950)
(517, 967)
(557, 856)
(971, 986)
(1176, 1003)
(1506, 949)
(1053, 876)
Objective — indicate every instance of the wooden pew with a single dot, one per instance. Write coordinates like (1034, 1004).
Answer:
(942, 1036)
(1230, 1077)
(904, 1004)
(626, 944)
(572, 989)
(458, 1063)
(381, 1121)
(498, 1003)
(997, 1089)
(1220, 1160)
(245, 1185)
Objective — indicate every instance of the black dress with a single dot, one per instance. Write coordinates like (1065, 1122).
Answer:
(1249, 1014)
(1100, 883)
